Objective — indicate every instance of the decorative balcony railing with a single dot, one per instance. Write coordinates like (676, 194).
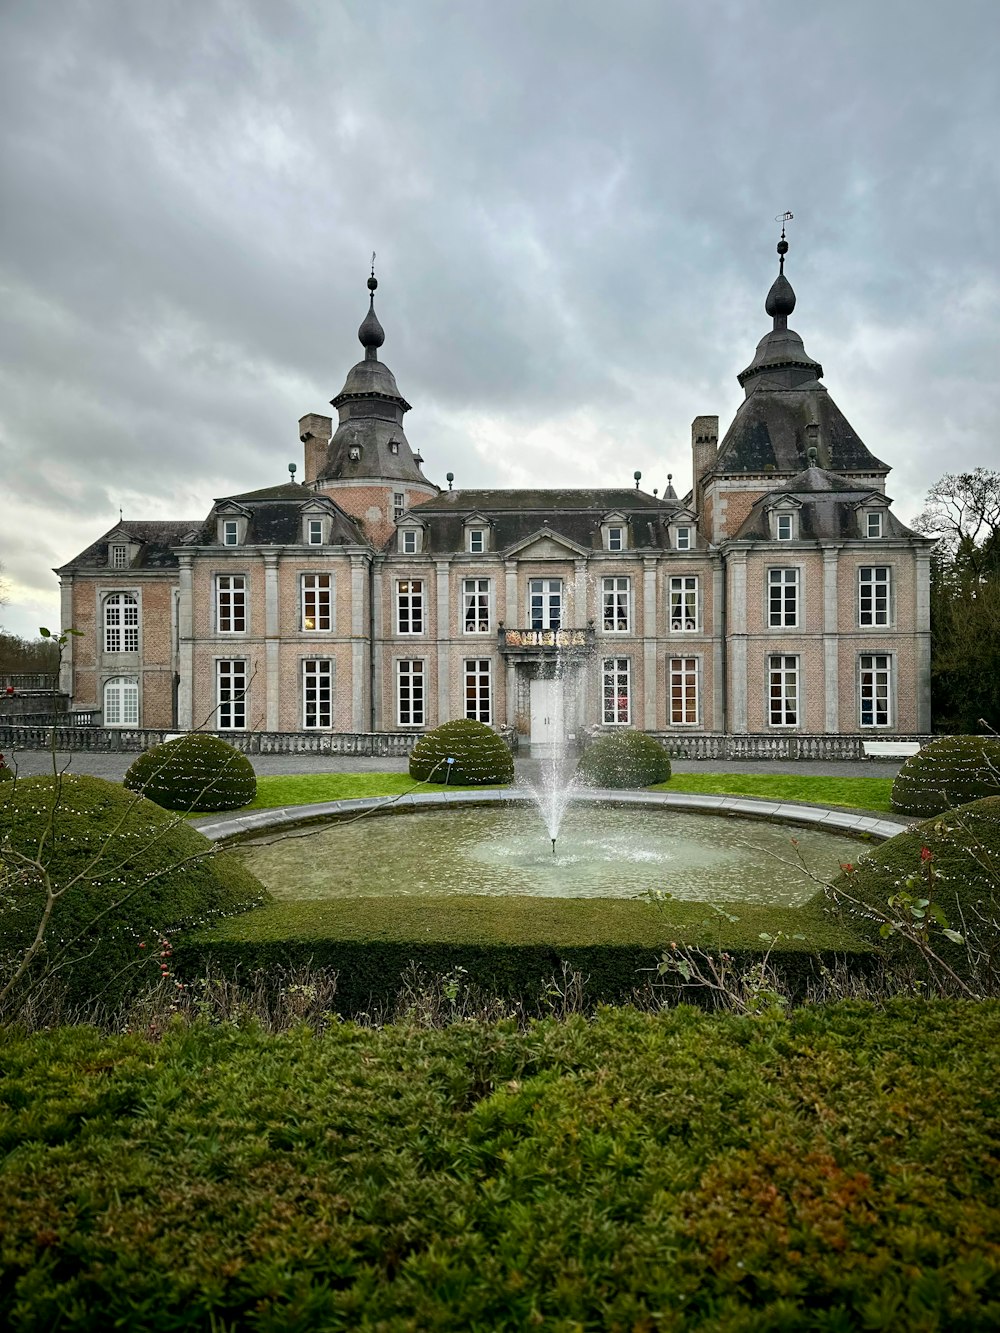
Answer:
(545, 642)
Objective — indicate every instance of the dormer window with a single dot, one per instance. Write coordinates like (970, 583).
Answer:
(119, 557)
(398, 505)
(410, 541)
(682, 538)
(784, 527)
(354, 453)
(616, 539)
(314, 532)
(873, 523)
(477, 541)
(394, 446)
(230, 532)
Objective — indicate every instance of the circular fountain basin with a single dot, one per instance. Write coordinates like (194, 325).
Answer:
(603, 851)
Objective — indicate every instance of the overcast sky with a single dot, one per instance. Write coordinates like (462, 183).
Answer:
(573, 208)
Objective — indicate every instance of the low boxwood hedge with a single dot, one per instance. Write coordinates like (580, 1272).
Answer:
(198, 771)
(952, 861)
(834, 1171)
(950, 771)
(126, 871)
(463, 751)
(624, 758)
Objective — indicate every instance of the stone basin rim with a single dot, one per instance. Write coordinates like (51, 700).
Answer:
(240, 827)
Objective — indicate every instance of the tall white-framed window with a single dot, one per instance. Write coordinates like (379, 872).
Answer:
(476, 606)
(684, 700)
(783, 690)
(616, 538)
(545, 602)
(682, 538)
(615, 594)
(782, 598)
(230, 532)
(317, 602)
(477, 541)
(121, 702)
(875, 595)
(410, 606)
(317, 694)
(479, 689)
(873, 523)
(231, 694)
(410, 692)
(784, 527)
(616, 691)
(121, 623)
(314, 532)
(119, 557)
(231, 603)
(409, 541)
(683, 603)
(875, 690)
(398, 505)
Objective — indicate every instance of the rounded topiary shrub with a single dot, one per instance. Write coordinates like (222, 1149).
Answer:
(953, 860)
(624, 758)
(6, 772)
(480, 755)
(195, 772)
(125, 872)
(948, 772)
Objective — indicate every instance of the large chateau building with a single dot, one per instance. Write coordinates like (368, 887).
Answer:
(780, 594)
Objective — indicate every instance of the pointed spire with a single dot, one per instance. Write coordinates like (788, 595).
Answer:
(781, 299)
(371, 334)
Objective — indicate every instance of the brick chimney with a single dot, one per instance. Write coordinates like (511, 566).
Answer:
(314, 432)
(704, 448)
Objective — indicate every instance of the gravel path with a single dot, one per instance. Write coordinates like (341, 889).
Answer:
(113, 766)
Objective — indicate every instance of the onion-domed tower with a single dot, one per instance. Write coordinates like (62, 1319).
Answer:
(367, 465)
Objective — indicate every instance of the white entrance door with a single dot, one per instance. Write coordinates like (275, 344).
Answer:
(548, 724)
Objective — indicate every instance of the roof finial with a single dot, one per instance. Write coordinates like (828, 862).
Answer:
(371, 334)
(781, 299)
(782, 244)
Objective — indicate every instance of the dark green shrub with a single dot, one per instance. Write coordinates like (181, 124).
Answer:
(954, 861)
(6, 773)
(141, 872)
(948, 772)
(480, 755)
(195, 772)
(624, 758)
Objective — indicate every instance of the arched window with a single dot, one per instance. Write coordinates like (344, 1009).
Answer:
(121, 623)
(121, 702)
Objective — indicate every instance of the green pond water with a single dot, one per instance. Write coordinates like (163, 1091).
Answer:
(602, 852)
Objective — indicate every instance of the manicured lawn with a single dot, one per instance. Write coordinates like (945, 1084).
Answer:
(311, 787)
(854, 793)
(835, 1170)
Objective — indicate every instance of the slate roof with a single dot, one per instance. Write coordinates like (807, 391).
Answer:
(514, 516)
(275, 518)
(827, 510)
(155, 537)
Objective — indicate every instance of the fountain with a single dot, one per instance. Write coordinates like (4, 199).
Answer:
(556, 784)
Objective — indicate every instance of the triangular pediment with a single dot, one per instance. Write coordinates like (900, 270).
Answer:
(230, 507)
(546, 544)
(478, 520)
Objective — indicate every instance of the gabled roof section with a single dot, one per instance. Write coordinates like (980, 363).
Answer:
(546, 535)
(827, 510)
(274, 517)
(154, 537)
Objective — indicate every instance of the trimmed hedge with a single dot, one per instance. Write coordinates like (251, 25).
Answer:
(948, 772)
(195, 772)
(513, 946)
(624, 758)
(481, 756)
(142, 872)
(954, 861)
(831, 1172)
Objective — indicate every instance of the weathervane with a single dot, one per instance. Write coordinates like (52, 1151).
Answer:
(783, 244)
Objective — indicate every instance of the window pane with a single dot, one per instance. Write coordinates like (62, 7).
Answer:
(231, 687)
(317, 694)
(478, 692)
